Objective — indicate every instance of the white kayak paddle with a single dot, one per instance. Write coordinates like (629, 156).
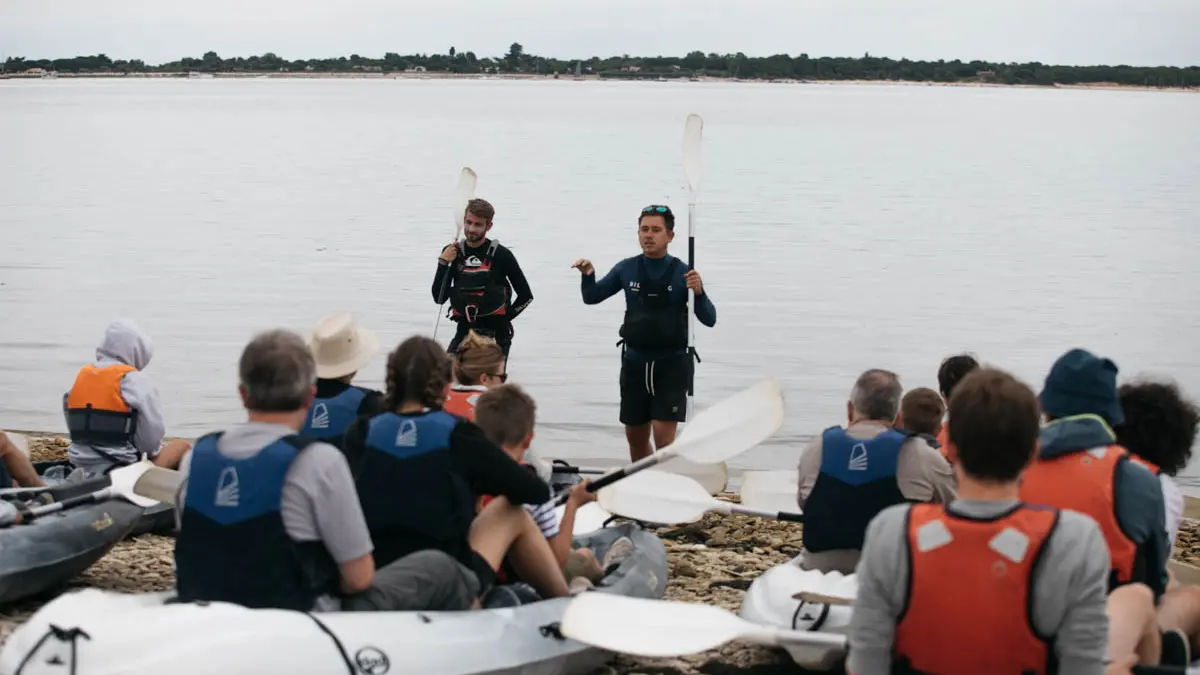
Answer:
(714, 477)
(661, 497)
(693, 135)
(661, 628)
(770, 490)
(122, 486)
(463, 193)
(720, 432)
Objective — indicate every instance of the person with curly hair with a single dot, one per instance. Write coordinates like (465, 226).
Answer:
(1159, 429)
(418, 469)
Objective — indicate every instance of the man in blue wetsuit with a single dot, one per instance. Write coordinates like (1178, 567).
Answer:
(656, 363)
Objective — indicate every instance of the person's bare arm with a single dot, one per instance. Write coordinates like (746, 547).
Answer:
(18, 464)
(562, 542)
(358, 574)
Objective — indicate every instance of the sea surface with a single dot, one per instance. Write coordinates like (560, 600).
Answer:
(838, 228)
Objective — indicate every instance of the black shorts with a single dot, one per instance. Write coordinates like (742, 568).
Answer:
(655, 391)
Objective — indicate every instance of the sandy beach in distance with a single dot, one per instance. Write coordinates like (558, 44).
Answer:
(1102, 86)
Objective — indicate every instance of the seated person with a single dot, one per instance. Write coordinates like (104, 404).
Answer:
(985, 584)
(1080, 466)
(921, 412)
(847, 476)
(418, 469)
(113, 412)
(506, 414)
(340, 348)
(479, 365)
(950, 373)
(15, 468)
(269, 519)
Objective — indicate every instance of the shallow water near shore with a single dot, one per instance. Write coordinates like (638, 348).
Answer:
(839, 228)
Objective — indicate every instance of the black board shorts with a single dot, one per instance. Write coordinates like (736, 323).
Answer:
(655, 391)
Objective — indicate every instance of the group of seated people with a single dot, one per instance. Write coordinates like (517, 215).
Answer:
(333, 496)
(1006, 532)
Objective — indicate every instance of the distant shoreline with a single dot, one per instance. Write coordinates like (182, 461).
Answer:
(1101, 86)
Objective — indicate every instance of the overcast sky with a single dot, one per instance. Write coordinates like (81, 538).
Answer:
(1136, 32)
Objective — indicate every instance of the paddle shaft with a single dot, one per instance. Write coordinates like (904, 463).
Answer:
(739, 510)
(36, 512)
(692, 313)
(625, 471)
(442, 292)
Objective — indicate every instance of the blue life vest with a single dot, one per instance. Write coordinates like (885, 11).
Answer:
(411, 495)
(856, 482)
(329, 418)
(233, 546)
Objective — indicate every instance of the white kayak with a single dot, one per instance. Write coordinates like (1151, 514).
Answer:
(823, 607)
(95, 632)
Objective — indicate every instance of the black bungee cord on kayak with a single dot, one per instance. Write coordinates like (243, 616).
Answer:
(62, 635)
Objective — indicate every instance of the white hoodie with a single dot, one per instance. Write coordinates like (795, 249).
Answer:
(125, 343)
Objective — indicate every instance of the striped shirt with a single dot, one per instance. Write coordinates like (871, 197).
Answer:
(545, 517)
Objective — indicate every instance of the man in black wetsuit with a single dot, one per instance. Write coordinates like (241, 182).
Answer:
(486, 287)
(656, 363)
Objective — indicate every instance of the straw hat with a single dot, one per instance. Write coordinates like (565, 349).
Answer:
(340, 347)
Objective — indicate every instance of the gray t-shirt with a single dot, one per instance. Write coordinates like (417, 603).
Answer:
(319, 502)
(1069, 594)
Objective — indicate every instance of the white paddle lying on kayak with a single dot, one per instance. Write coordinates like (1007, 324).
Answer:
(770, 490)
(661, 497)
(463, 193)
(719, 432)
(660, 628)
(122, 486)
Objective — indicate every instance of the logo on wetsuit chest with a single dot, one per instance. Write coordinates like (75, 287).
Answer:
(635, 286)
(473, 261)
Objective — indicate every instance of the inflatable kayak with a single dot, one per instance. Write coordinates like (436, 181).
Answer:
(49, 551)
(823, 608)
(158, 519)
(227, 638)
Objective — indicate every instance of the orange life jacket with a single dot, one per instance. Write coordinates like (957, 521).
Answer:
(968, 607)
(1083, 481)
(1149, 465)
(943, 439)
(461, 402)
(96, 411)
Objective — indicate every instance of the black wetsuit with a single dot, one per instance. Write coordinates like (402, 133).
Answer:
(487, 290)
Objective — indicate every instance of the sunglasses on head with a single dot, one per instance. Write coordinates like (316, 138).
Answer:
(654, 208)
(503, 377)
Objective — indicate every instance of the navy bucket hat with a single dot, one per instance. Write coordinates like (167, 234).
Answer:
(1081, 383)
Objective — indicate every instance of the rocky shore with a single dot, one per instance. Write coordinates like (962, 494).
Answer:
(712, 561)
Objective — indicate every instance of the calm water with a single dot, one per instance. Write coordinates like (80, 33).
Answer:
(839, 228)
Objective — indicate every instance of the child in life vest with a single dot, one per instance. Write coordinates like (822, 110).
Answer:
(506, 415)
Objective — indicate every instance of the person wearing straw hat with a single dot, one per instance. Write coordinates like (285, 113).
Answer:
(340, 348)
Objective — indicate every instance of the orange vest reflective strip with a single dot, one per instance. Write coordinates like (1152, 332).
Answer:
(1149, 465)
(99, 388)
(970, 589)
(462, 403)
(1083, 481)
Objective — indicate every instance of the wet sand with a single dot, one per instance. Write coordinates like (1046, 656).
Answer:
(712, 561)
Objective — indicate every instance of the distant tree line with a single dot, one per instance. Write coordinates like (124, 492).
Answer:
(695, 64)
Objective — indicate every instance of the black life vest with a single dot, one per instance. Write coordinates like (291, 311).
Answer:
(329, 418)
(477, 293)
(652, 321)
(233, 545)
(411, 495)
(857, 480)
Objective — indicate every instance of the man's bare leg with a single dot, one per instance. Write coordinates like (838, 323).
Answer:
(503, 528)
(1133, 625)
(639, 441)
(664, 433)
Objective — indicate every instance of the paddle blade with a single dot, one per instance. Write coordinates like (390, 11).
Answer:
(125, 478)
(732, 426)
(693, 131)
(770, 490)
(19, 441)
(714, 477)
(463, 193)
(159, 484)
(657, 497)
(651, 628)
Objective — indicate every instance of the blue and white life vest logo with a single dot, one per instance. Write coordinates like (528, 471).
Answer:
(858, 458)
(320, 416)
(407, 436)
(228, 494)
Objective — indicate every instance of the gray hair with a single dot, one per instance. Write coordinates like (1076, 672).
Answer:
(876, 395)
(277, 371)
